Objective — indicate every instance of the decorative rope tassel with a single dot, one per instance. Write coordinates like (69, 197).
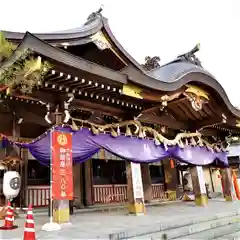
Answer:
(180, 144)
(128, 131)
(165, 146)
(74, 126)
(94, 130)
(160, 138)
(217, 149)
(193, 142)
(113, 133)
(118, 130)
(156, 140)
(207, 146)
(141, 134)
(200, 142)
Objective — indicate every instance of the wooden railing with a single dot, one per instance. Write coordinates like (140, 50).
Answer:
(105, 194)
(158, 191)
(38, 196)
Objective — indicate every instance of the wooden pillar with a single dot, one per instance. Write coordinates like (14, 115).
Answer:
(15, 129)
(25, 176)
(147, 182)
(61, 213)
(16, 152)
(135, 189)
(227, 184)
(77, 184)
(171, 179)
(199, 187)
(88, 177)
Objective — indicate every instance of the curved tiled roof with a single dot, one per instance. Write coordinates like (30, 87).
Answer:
(75, 33)
(168, 77)
(77, 36)
(175, 70)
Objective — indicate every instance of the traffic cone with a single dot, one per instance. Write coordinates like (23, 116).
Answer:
(9, 219)
(29, 232)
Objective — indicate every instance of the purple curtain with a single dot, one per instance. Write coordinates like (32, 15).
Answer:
(131, 148)
(82, 149)
(198, 155)
(85, 145)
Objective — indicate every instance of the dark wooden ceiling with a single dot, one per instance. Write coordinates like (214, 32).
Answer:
(183, 111)
(104, 57)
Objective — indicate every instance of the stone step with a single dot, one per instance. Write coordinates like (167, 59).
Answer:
(232, 236)
(179, 227)
(196, 231)
(215, 233)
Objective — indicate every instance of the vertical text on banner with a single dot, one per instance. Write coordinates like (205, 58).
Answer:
(62, 177)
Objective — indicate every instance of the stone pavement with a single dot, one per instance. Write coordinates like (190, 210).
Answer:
(99, 225)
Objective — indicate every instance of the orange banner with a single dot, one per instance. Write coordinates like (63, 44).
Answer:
(235, 183)
(62, 176)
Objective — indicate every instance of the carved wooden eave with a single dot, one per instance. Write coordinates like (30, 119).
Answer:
(171, 81)
(42, 48)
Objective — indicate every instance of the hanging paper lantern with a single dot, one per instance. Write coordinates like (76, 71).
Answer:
(171, 163)
(11, 184)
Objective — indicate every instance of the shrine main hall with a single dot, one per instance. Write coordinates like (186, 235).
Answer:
(140, 132)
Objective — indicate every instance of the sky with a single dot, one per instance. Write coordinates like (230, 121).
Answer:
(164, 28)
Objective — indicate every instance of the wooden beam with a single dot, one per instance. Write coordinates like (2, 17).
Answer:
(159, 105)
(27, 114)
(31, 117)
(6, 117)
(187, 107)
(175, 115)
(164, 120)
(214, 107)
(207, 123)
(88, 105)
(97, 118)
(104, 109)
